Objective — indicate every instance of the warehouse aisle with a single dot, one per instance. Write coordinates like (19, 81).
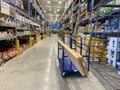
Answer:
(37, 69)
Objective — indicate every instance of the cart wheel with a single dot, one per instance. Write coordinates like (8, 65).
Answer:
(63, 74)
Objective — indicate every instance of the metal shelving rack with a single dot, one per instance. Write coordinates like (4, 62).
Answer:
(102, 69)
(105, 34)
(72, 11)
(31, 22)
(92, 20)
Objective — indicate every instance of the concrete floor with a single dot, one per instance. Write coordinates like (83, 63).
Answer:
(38, 69)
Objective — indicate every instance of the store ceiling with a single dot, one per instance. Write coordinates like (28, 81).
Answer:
(53, 9)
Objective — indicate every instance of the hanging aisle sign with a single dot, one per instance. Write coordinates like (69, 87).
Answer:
(54, 26)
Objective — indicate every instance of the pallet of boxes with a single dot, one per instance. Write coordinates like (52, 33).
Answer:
(63, 33)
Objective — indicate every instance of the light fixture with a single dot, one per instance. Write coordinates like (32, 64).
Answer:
(60, 2)
(49, 9)
(58, 10)
(57, 15)
(48, 2)
(55, 12)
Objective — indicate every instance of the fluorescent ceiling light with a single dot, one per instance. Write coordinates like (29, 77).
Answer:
(57, 15)
(48, 2)
(58, 10)
(49, 9)
(60, 2)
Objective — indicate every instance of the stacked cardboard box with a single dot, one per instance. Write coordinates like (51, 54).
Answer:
(97, 48)
(26, 32)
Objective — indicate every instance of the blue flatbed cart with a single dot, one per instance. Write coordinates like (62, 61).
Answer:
(66, 66)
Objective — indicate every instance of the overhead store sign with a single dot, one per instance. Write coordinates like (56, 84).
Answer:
(54, 26)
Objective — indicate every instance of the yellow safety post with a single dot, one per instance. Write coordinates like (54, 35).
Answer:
(36, 39)
(18, 47)
(31, 42)
(44, 36)
(40, 37)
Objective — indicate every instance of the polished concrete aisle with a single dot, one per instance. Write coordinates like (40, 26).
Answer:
(38, 69)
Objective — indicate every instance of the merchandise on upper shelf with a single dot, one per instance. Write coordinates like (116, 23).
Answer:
(67, 4)
(35, 4)
(7, 8)
(105, 10)
(7, 21)
(19, 3)
(13, 1)
(23, 22)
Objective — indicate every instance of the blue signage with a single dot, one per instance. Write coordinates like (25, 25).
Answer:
(54, 26)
